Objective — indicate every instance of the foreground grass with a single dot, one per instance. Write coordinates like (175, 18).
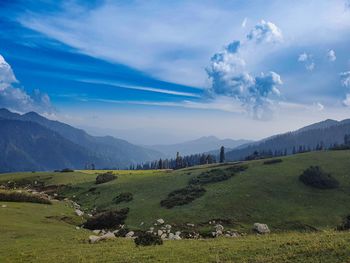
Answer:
(44, 233)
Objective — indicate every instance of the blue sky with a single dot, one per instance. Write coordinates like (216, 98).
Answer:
(167, 71)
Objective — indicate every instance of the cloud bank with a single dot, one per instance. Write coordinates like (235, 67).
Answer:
(229, 75)
(15, 98)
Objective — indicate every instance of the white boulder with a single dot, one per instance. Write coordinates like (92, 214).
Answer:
(130, 234)
(261, 228)
(160, 221)
(79, 212)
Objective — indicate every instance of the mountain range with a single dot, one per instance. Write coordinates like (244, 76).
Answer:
(41, 135)
(200, 145)
(325, 133)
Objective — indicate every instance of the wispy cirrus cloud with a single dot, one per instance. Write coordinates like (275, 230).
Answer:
(135, 87)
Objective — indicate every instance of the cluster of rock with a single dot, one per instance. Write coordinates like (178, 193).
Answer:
(219, 231)
(164, 231)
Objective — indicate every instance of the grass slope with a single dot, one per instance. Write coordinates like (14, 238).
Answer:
(270, 194)
(37, 233)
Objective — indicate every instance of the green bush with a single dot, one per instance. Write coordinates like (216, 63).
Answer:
(183, 196)
(107, 220)
(66, 170)
(315, 177)
(13, 196)
(273, 161)
(148, 239)
(105, 177)
(123, 197)
(217, 175)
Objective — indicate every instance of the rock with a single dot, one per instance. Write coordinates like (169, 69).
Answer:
(141, 224)
(94, 239)
(218, 233)
(160, 221)
(79, 212)
(219, 228)
(164, 236)
(171, 236)
(177, 237)
(3, 206)
(151, 229)
(108, 235)
(96, 232)
(213, 234)
(191, 225)
(77, 228)
(168, 226)
(130, 234)
(177, 233)
(261, 228)
(160, 232)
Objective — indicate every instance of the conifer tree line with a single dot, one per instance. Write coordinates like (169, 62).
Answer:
(176, 163)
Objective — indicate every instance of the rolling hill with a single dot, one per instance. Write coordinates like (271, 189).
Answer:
(270, 194)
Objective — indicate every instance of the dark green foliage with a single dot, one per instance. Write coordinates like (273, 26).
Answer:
(315, 177)
(67, 170)
(216, 175)
(123, 197)
(122, 232)
(345, 225)
(11, 196)
(148, 239)
(222, 154)
(107, 220)
(183, 196)
(273, 161)
(212, 176)
(105, 177)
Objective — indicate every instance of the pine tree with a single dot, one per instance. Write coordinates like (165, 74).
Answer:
(222, 154)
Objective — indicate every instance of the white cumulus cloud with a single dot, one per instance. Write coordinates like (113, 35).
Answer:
(307, 60)
(15, 98)
(265, 32)
(331, 55)
(229, 75)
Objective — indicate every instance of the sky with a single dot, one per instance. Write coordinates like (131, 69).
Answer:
(160, 72)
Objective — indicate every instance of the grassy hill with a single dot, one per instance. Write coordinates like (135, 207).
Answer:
(270, 194)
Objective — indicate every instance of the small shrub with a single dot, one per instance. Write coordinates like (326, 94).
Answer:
(105, 177)
(183, 196)
(107, 220)
(315, 177)
(123, 197)
(12, 196)
(273, 161)
(216, 175)
(67, 170)
(212, 176)
(148, 239)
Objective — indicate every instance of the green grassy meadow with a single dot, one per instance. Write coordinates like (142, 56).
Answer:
(270, 194)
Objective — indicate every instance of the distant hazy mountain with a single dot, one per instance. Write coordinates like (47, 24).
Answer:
(327, 133)
(28, 146)
(108, 151)
(201, 145)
